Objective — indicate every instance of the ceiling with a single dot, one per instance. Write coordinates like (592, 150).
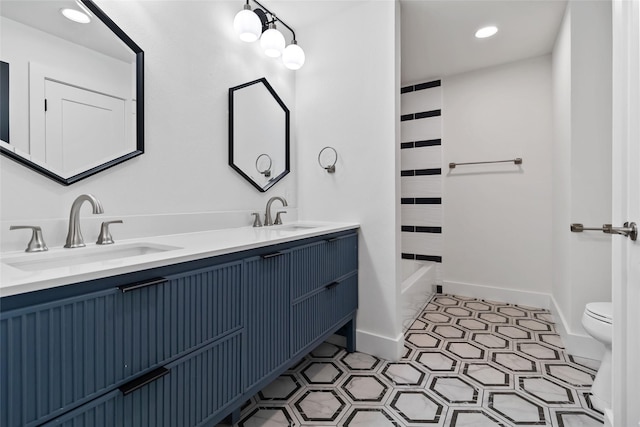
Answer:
(44, 15)
(438, 35)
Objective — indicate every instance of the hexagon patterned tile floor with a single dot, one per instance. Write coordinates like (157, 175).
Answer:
(467, 362)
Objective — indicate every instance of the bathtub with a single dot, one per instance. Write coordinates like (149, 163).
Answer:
(418, 278)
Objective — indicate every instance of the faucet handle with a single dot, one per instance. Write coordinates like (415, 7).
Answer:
(105, 236)
(278, 220)
(256, 219)
(36, 244)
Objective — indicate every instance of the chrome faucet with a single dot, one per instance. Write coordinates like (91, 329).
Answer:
(74, 237)
(267, 214)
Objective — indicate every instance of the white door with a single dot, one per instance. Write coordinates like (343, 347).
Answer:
(83, 128)
(626, 207)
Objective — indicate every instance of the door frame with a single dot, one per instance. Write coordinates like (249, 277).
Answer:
(626, 200)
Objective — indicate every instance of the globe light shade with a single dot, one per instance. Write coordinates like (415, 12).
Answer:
(272, 42)
(247, 25)
(293, 56)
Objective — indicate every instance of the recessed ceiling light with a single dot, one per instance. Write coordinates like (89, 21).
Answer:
(75, 16)
(485, 32)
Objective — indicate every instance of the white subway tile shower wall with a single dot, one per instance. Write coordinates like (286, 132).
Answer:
(422, 186)
(421, 176)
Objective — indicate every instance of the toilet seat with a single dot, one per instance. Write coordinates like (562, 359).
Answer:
(601, 311)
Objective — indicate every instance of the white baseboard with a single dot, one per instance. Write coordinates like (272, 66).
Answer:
(380, 346)
(576, 344)
(512, 296)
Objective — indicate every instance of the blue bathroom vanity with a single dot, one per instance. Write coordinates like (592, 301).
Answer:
(181, 340)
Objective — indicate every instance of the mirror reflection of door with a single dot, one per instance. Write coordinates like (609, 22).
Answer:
(83, 128)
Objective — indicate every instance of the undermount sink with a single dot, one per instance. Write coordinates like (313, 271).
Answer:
(87, 255)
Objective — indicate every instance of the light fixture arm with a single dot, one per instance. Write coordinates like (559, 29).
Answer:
(265, 22)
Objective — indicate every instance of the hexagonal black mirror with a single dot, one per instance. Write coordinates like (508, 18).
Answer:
(258, 134)
(73, 103)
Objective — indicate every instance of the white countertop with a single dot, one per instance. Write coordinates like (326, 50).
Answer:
(181, 248)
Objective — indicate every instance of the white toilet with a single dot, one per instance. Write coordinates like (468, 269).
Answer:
(597, 321)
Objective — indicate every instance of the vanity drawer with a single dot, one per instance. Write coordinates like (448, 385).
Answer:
(315, 315)
(320, 263)
(58, 355)
(165, 320)
(190, 391)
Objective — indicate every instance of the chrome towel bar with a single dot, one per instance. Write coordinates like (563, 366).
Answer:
(516, 161)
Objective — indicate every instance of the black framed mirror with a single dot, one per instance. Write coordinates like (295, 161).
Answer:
(258, 134)
(75, 101)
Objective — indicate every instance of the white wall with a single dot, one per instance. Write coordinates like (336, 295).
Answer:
(192, 57)
(497, 217)
(561, 75)
(582, 162)
(348, 98)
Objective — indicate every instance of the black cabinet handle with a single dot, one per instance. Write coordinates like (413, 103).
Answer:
(143, 380)
(333, 239)
(273, 255)
(332, 285)
(144, 284)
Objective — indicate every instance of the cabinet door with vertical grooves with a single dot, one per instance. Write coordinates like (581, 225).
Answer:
(180, 314)
(192, 393)
(317, 314)
(55, 355)
(317, 264)
(268, 313)
(58, 355)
